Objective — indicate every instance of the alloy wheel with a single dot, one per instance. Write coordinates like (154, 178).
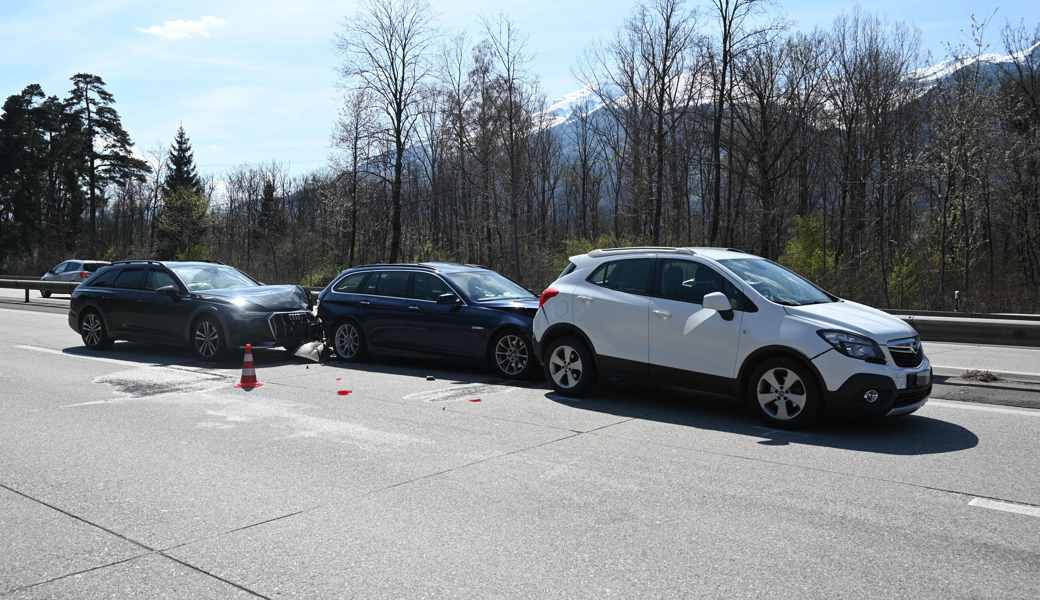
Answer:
(348, 341)
(511, 355)
(781, 393)
(92, 329)
(565, 367)
(207, 339)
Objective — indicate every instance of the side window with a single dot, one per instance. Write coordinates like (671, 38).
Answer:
(132, 279)
(351, 284)
(71, 266)
(161, 279)
(429, 287)
(631, 276)
(688, 281)
(103, 278)
(568, 269)
(392, 283)
(60, 267)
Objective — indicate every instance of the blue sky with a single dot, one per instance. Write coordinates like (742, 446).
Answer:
(255, 80)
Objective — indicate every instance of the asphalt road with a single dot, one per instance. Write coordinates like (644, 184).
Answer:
(136, 473)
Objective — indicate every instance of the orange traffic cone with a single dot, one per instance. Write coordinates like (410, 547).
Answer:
(248, 380)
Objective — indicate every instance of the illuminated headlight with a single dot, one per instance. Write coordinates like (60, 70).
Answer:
(853, 346)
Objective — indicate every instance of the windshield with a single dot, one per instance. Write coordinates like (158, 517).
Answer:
(487, 285)
(776, 283)
(199, 278)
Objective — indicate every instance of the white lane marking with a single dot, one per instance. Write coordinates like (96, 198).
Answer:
(114, 361)
(36, 312)
(996, 371)
(1011, 507)
(1028, 412)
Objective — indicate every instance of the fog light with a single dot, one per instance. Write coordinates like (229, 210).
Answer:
(870, 396)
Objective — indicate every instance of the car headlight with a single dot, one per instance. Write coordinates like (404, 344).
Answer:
(853, 345)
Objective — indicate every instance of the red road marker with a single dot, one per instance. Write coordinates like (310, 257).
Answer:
(343, 392)
(474, 399)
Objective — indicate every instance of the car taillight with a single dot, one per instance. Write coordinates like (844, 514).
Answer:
(83, 274)
(546, 295)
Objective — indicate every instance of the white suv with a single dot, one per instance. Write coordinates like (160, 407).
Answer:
(726, 322)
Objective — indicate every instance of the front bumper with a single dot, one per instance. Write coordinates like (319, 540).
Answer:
(274, 329)
(848, 380)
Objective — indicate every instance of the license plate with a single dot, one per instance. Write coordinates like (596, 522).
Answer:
(919, 379)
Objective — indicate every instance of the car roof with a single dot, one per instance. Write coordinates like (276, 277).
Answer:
(439, 267)
(711, 253)
(87, 260)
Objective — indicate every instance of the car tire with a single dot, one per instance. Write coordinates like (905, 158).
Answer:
(207, 340)
(93, 331)
(570, 366)
(348, 341)
(45, 294)
(785, 393)
(511, 355)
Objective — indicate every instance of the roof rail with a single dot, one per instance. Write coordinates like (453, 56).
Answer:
(384, 265)
(146, 261)
(720, 248)
(636, 249)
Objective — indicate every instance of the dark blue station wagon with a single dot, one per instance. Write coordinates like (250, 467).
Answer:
(431, 310)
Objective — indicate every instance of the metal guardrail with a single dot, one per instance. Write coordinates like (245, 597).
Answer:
(59, 287)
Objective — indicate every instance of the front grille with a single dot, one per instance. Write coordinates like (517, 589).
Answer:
(906, 352)
(290, 325)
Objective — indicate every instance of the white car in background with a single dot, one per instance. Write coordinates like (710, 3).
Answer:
(725, 322)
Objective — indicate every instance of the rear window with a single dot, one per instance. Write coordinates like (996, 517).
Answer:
(103, 277)
(631, 276)
(92, 267)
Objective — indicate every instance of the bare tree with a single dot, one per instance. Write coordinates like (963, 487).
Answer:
(384, 49)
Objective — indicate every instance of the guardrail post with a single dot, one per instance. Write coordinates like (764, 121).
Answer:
(26, 294)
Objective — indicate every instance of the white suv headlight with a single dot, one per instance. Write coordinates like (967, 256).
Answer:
(853, 345)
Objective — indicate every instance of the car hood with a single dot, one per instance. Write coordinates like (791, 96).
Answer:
(263, 297)
(854, 317)
(527, 306)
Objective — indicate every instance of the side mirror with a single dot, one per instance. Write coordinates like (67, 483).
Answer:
(718, 302)
(448, 298)
(171, 291)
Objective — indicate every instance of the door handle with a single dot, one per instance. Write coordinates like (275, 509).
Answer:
(415, 308)
(364, 302)
(664, 314)
(584, 299)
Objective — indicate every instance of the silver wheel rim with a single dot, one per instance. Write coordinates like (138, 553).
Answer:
(91, 329)
(781, 394)
(348, 341)
(565, 367)
(511, 354)
(207, 339)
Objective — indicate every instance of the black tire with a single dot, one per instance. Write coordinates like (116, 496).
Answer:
(207, 340)
(570, 366)
(45, 294)
(93, 331)
(348, 341)
(511, 355)
(785, 393)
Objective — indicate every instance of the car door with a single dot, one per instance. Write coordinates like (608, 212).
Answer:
(613, 310)
(158, 315)
(386, 302)
(124, 304)
(696, 345)
(444, 329)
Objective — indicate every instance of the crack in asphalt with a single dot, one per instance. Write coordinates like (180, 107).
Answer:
(150, 551)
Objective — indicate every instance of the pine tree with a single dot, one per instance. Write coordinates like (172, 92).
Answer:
(106, 145)
(182, 174)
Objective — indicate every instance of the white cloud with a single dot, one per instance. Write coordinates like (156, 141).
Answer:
(180, 29)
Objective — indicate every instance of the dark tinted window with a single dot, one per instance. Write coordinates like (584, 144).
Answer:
(688, 281)
(391, 283)
(103, 278)
(568, 269)
(91, 267)
(161, 279)
(631, 276)
(351, 283)
(429, 287)
(133, 279)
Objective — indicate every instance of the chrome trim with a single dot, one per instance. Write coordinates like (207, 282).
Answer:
(270, 317)
(902, 410)
(332, 286)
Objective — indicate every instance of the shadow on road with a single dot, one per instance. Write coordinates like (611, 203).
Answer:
(903, 436)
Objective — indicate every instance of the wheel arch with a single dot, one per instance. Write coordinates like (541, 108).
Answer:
(765, 353)
(92, 306)
(207, 311)
(489, 345)
(561, 330)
